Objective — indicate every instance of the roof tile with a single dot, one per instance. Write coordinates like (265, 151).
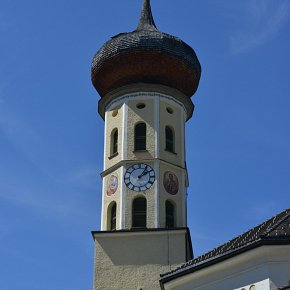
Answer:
(276, 228)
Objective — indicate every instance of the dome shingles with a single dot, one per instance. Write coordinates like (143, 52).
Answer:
(145, 55)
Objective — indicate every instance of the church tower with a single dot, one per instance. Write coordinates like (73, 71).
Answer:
(145, 79)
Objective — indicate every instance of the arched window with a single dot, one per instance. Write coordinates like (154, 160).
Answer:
(113, 213)
(169, 139)
(169, 209)
(253, 287)
(140, 136)
(139, 215)
(114, 141)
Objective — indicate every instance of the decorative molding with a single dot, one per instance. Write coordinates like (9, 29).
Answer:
(184, 200)
(156, 194)
(123, 162)
(124, 130)
(157, 126)
(182, 138)
(121, 99)
(105, 141)
(103, 205)
(122, 201)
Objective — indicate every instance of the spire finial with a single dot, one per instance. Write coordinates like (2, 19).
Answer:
(146, 21)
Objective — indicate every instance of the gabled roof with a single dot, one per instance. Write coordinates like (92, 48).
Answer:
(274, 231)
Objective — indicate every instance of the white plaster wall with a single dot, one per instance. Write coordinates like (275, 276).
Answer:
(134, 260)
(261, 285)
(156, 116)
(107, 200)
(113, 121)
(177, 123)
(268, 267)
(177, 199)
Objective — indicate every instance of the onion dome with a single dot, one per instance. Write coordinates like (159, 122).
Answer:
(148, 56)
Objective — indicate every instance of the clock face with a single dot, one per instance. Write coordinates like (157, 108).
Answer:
(139, 177)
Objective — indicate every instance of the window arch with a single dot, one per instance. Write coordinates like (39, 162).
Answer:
(253, 287)
(112, 216)
(139, 213)
(169, 139)
(140, 136)
(114, 141)
(170, 212)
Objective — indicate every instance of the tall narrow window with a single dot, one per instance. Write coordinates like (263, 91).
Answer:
(169, 139)
(169, 214)
(139, 215)
(140, 136)
(114, 142)
(113, 217)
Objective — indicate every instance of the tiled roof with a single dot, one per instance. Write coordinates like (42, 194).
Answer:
(276, 230)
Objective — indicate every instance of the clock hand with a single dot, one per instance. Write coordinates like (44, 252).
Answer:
(145, 171)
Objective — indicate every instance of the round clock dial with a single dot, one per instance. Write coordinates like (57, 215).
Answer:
(139, 177)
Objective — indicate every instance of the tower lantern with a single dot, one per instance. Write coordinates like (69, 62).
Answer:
(145, 79)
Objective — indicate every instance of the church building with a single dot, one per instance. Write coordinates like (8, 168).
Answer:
(146, 79)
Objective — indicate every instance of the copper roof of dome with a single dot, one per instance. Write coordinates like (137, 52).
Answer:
(145, 55)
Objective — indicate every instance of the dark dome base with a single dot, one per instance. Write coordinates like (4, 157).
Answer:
(147, 66)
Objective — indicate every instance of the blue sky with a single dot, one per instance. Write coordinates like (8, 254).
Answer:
(51, 137)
